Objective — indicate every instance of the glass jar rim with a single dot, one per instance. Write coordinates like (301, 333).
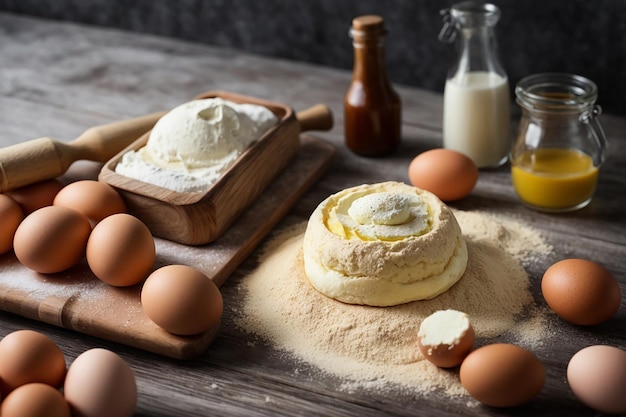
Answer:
(472, 12)
(475, 7)
(554, 90)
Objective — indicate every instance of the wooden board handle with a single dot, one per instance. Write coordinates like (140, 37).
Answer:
(44, 158)
(317, 117)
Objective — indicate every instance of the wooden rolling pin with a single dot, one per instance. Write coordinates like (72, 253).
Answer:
(45, 158)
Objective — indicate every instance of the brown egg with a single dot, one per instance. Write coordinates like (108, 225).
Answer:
(94, 199)
(121, 250)
(448, 174)
(446, 337)
(11, 216)
(502, 375)
(35, 196)
(51, 239)
(99, 383)
(35, 400)
(27, 356)
(597, 377)
(581, 291)
(182, 300)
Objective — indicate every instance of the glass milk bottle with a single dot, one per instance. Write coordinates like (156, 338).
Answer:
(476, 117)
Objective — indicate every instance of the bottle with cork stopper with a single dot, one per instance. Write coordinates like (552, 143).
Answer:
(372, 109)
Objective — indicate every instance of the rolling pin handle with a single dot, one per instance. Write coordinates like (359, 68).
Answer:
(317, 117)
(45, 158)
(101, 143)
(24, 163)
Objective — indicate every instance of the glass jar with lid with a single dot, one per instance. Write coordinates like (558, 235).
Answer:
(560, 144)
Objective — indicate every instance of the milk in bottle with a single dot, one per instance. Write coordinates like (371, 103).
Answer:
(476, 118)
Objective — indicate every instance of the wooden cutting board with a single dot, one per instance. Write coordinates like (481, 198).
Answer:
(76, 300)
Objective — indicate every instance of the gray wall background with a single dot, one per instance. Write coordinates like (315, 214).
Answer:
(586, 37)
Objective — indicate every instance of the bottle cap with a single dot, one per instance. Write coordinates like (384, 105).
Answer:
(368, 26)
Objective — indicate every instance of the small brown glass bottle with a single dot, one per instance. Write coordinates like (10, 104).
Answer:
(372, 109)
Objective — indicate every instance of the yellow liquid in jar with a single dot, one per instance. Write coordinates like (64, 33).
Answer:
(554, 179)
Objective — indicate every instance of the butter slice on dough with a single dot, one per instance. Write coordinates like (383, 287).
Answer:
(375, 265)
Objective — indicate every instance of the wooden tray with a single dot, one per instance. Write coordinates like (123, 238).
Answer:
(196, 218)
(76, 300)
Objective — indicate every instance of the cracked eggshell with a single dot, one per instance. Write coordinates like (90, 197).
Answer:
(446, 337)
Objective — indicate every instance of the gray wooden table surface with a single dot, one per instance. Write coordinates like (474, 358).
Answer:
(57, 79)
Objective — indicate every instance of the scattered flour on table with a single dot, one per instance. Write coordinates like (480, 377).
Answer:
(376, 346)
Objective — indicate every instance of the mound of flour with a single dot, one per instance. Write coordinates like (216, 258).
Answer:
(374, 346)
